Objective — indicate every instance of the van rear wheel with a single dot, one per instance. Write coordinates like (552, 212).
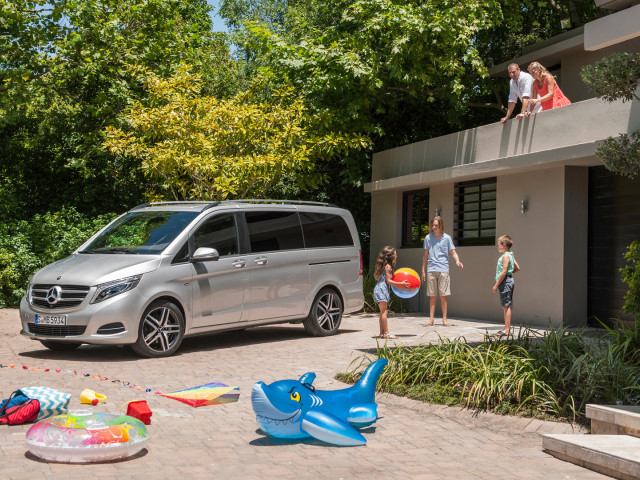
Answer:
(325, 315)
(161, 330)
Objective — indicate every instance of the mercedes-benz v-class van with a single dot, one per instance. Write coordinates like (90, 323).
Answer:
(166, 270)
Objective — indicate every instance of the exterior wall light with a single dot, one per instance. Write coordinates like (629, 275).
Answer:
(524, 206)
(437, 212)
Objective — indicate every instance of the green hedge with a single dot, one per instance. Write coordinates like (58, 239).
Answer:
(28, 245)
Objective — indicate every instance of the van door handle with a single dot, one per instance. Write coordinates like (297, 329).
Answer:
(261, 260)
(238, 263)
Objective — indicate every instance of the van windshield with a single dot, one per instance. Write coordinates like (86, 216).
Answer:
(143, 233)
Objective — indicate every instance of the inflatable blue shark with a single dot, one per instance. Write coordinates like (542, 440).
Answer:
(295, 409)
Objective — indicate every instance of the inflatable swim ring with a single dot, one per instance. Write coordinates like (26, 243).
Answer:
(84, 437)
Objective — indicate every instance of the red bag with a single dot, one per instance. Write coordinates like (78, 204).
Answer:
(24, 413)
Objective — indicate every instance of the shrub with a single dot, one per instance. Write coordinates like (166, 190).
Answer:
(631, 276)
(28, 245)
(556, 372)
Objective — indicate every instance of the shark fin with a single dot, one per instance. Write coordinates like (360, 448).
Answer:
(330, 429)
(363, 414)
(307, 378)
(369, 379)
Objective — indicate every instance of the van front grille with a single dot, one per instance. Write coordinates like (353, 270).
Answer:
(57, 330)
(70, 296)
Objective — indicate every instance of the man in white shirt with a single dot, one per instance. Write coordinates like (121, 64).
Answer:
(520, 86)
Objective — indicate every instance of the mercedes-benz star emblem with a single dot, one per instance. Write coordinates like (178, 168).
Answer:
(54, 294)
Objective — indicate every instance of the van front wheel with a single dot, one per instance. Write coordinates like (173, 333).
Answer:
(161, 330)
(325, 315)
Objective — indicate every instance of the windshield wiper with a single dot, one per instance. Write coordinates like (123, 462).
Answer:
(114, 250)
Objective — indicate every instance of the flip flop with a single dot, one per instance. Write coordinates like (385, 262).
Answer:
(387, 336)
(501, 333)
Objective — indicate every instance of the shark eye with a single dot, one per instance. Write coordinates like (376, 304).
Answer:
(295, 396)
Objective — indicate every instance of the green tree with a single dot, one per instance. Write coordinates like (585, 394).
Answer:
(64, 77)
(194, 146)
(617, 78)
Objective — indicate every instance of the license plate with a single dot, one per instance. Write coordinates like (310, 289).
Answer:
(51, 319)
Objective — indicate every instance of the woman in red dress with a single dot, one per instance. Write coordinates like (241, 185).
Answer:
(545, 89)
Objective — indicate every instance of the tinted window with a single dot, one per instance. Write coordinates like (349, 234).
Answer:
(325, 230)
(475, 212)
(141, 232)
(220, 233)
(272, 231)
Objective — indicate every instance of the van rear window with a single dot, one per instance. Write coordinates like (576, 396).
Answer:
(325, 230)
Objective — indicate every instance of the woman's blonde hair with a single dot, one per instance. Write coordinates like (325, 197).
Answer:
(538, 66)
(384, 257)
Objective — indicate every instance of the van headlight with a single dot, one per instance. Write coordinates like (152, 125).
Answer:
(111, 289)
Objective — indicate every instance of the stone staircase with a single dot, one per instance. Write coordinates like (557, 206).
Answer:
(613, 448)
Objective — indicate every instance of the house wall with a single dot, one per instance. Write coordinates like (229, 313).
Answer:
(570, 82)
(552, 285)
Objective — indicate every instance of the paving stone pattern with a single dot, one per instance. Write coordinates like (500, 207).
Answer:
(410, 440)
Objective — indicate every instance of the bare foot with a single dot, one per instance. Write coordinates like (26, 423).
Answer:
(428, 324)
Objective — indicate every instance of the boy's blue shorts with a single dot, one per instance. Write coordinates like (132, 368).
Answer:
(506, 288)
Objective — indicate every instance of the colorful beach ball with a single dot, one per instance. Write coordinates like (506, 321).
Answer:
(410, 276)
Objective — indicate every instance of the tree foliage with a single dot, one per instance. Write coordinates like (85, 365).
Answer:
(617, 78)
(64, 78)
(614, 78)
(621, 155)
(28, 245)
(194, 146)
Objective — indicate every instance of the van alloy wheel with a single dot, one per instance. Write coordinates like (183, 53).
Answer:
(326, 314)
(161, 330)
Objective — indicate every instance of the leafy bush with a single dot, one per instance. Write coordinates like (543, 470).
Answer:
(631, 276)
(28, 245)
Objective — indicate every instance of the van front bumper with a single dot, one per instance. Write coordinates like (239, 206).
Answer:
(112, 322)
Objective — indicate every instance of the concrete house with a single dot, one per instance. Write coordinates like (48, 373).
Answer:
(537, 180)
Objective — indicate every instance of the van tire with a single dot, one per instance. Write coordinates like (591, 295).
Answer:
(60, 346)
(160, 331)
(325, 315)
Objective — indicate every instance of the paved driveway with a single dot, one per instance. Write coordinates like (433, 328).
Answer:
(410, 440)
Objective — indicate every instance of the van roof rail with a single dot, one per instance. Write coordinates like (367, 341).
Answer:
(208, 205)
(286, 202)
(178, 202)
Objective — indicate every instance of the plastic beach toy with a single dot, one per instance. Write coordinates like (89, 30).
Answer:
(84, 437)
(296, 409)
(89, 397)
(406, 274)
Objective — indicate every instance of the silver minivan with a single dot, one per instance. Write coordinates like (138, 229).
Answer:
(166, 270)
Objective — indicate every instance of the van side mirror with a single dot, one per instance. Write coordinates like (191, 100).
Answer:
(205, 254)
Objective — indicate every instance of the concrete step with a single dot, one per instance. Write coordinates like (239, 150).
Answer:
(614, 419)
(615, 455)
